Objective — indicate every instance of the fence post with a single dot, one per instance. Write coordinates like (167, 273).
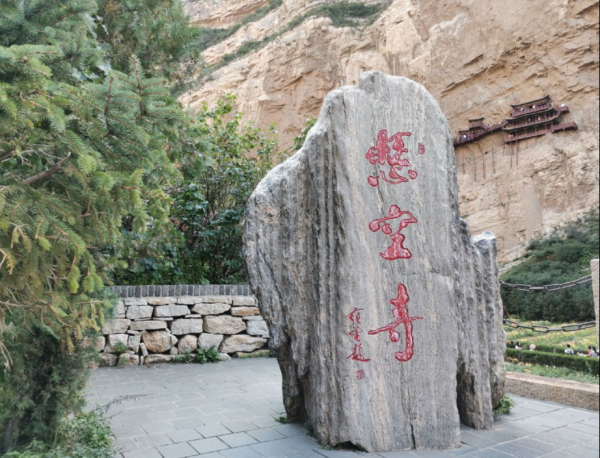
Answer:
(596, 288)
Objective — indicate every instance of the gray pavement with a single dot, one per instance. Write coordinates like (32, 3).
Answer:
(228, 410)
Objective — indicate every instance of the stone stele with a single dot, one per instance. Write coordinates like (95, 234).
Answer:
(384, 315)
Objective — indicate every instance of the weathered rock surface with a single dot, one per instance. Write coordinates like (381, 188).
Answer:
(242, 343)
(217, 300)
(186, 326)
(360, 219)
(207, 341)
(133, 342)
(120, 310)
(139, 312)
(157, 341)
(108, 360)
(257, 328)
(117, 326)
(135, 301)
(114, 340)
(187, 344)
(148, 325)
(244, 301)
(224, 324)
(162, 301)
(157, 359)
(169, 311)
(476, 58)
(188, 300)
(128, 360)
(211, 309)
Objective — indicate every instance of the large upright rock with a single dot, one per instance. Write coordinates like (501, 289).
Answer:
(382, 311)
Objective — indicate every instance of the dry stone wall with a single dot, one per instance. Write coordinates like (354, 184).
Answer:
(155, 328)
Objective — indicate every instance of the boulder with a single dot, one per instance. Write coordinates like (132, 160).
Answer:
(139, 312)
(128, 360)
(162, 301)
(224, 357)
(187, 344)
(384, 315)
(244, 301)
(211, 309)
(224, 324)
(118, 326)
(157, 341)
(186, 326)
(108, 360)
(114, 340)
(135, 301)
(189, 300)
(148, 325)
(245, 311)
(208, 341)
(157, 359)
(243, 343)
(217, 300)
(257, 328)
(171, 311)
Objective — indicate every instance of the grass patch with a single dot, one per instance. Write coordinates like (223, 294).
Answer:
(551, 372)
(283, 420)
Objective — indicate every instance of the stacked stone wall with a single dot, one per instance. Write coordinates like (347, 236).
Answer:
(155, 328)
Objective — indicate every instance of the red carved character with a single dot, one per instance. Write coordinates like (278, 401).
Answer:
(355, 316)
(421, 148)
(381, 154)
(358, 354)
(356, 333)
(401, 314)
(360, 375)
(397, 250)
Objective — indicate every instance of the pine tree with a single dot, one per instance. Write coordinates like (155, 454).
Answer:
(83, 149)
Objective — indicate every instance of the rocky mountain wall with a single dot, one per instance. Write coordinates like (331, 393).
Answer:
(475, 57)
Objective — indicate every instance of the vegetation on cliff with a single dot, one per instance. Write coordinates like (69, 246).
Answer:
(563, 256)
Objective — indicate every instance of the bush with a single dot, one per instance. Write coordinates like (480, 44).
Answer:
(559, 258)
(200, 356)
(505, 407)
(576, 363)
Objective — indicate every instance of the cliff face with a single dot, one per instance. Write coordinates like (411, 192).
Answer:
(476, 58)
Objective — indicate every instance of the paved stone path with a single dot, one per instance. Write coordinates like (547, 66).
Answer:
(227, 410)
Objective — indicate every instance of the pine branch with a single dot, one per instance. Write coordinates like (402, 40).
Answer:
(51, 171)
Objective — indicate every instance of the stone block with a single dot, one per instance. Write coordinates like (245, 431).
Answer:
(134, 343)
(254, 354)
(211, 309)
(217, 300)
(117, 326)
(253, 318)
(243, 343)
(170, 311)
(138, 312)
(120, 310)
(208, 341)
(157, 359)
(148, 325)
(186, 326)
(189, 300)
(245, 311)
(224, 357)
(173, 351)
(224, 324)
(162, 301)
(143, 349)
(187, 344)
(129, 360)
(135, 301)
(157, 341)
(257, 328)
(108, 360)
(244, 301)
(114, 340)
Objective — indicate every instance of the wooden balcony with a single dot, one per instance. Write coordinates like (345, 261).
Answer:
(527, 111)
(525, 136)
(564, 127)
(545, 119)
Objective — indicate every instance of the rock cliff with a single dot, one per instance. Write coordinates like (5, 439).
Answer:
(476, 58)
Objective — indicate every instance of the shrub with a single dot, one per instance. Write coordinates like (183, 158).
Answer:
(505, 407)
(200, 356)
(576, 363)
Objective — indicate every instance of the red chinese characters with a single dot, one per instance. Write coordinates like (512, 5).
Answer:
(360, 375)
(400, 312)
(397, 250)
(382, 154)
(358, 353)
(421, 148)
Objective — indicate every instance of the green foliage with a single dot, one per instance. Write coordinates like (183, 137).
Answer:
(44, 384)
(552, 372)
(576, 363)
(85, 435)
(577, 339)
(505, 407)
(120, 349)
(156, 31)
(284, 420)
(204, 237)
(559, 258)
(300, 139)
(200, 356)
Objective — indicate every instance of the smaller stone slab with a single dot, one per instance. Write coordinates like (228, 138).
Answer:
(245, 311)
(138, 312)
(114, 340)
(135, 301)
(162, 301)
(258, 328)
(244, 301)
(224, 324)
(118, 326)
(189, 300)
(208, 341)
(157, 359)
(157, 341)
(243, 343)
(217, 300)
(171, 311)
(187, 326)
(148, 325)
(211, 309)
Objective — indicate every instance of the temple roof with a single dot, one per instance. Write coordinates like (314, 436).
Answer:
(532, 102)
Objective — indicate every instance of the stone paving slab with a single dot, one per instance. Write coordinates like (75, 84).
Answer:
(228, 410)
